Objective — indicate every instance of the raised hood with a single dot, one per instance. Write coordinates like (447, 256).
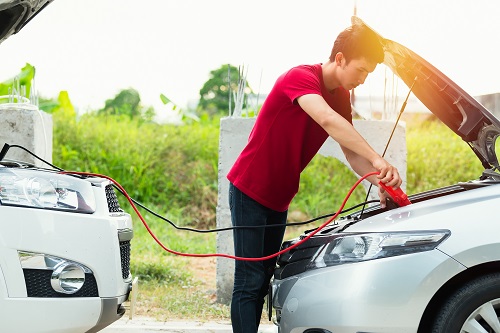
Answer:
(14, 14)
(451, 104)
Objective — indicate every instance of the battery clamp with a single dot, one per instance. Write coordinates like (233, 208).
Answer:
(398, 196)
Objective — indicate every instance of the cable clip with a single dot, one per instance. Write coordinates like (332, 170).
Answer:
(397, 195)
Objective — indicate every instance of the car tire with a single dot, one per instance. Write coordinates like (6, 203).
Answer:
(474, 307)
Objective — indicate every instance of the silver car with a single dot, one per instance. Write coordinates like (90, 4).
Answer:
(432, 266)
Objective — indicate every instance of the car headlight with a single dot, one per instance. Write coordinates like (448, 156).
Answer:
(43, 189)
(368, 246)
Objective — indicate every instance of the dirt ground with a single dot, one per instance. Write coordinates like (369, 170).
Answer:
(204, 269)
(203, 272)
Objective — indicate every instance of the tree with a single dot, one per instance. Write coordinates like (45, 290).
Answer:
(214, 95)
(127, 102)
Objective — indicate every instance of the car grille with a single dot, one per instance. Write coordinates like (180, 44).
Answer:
(295, 261)
(113, 205)
(125, 258)
(38, 285)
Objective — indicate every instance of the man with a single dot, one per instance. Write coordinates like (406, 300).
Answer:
(307, 104)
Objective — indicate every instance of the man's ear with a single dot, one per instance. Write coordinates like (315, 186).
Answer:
(338, 58)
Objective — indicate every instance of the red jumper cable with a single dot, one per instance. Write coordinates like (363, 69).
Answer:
(204, 255)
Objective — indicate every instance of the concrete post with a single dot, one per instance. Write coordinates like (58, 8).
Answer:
(233, 137)
(25, 125)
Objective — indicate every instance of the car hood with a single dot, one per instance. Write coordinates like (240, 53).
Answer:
(14, 14)
(451, 104)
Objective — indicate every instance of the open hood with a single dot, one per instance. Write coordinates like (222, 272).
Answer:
(451, 104)
(14, 14)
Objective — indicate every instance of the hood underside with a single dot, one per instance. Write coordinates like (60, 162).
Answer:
(14, 14)
(451, 104)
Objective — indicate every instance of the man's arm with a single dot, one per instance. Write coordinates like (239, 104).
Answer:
(361, 166)
(346, 135)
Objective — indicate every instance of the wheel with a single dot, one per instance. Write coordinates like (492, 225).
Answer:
(473, 308)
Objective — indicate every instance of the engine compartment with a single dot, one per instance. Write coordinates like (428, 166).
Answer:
(295, 261)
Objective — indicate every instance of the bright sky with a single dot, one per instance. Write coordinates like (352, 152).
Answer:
(95, 48)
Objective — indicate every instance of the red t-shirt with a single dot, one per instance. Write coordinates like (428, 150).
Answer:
(285, 138)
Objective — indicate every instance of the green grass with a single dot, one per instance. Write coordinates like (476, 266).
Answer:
(173, 171)
(437, 157)
(169, 289)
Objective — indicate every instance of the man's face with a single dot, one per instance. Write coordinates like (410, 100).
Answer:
(354, 73)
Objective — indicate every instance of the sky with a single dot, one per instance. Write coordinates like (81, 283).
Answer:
(95, 48)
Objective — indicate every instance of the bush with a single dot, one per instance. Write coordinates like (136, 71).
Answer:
(168, 168)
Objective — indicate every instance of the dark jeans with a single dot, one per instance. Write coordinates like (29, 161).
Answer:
(251, 278)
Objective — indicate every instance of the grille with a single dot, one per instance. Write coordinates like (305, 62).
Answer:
(294, 261)
(113, 205)
(125, 258)
(38, 285)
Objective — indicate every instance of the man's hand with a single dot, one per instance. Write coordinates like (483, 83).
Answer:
(388, 175)
(383, 195)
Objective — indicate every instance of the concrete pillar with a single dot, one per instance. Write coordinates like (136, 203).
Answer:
(233, 137)
(26, 126)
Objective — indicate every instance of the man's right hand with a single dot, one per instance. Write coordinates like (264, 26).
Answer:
(389, 174)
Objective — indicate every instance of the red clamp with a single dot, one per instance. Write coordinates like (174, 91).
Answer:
(398, 196)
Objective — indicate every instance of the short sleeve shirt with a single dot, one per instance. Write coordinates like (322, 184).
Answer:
(285, 138)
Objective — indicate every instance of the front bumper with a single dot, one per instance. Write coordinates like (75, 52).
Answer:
(59, 315)
(98, 241)
(385, 295)
(111, 310)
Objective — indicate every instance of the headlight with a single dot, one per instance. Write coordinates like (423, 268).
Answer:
(42, 189)
(369, 246)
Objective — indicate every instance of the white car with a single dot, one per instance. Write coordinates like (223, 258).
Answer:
(431, 266)
(64, 240)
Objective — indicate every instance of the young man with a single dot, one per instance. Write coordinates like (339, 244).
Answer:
(307, 104)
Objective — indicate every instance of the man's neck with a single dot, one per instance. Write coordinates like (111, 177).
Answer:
(329, 70)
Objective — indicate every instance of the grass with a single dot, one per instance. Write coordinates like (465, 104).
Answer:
(173, 287)
(170, 290)
(437, 157)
